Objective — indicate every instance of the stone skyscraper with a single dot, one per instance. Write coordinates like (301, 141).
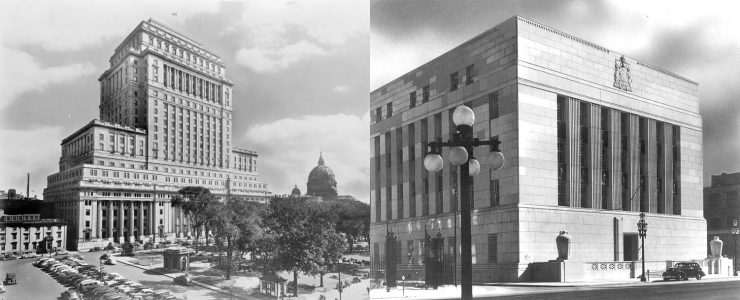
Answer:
(165, 123)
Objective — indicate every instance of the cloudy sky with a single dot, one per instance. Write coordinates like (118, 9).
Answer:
(300, 70)
(696, 39)
(303, 68)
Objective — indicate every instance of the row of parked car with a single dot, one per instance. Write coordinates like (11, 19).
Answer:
(11, 256)
(87, 281)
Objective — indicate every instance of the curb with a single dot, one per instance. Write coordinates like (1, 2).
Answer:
(210, 287)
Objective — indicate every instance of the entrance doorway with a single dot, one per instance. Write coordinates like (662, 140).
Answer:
(630, 247)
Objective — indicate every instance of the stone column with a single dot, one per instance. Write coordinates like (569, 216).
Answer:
(140, 204)
(110, 219)
(120, 221)
(130, 221)
(98, 220)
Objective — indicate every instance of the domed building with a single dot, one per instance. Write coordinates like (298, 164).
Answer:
(321, 182)
(296, 192)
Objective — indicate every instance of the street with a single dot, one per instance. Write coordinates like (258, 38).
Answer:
(705, 290)
(153, 280)
(32, 282)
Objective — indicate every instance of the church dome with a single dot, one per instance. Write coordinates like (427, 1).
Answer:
(295, 191)
(321, 173)
(321, 181)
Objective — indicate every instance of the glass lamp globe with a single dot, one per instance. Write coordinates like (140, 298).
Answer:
(474, 167)
(433, 162)
(496, 160)
(463, 115)
(458, 155)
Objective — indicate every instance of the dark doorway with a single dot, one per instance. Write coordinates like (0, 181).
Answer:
(630, 247)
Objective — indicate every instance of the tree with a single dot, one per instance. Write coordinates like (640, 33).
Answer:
(236, 225)
(352, 218)
(225, 231)
(300, 230)
(197, 203)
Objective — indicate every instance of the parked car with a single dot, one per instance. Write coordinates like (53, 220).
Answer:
(183, 279)
(10, 279)
(62, 252)
(95, 249)
(29, 255)
(684, 271)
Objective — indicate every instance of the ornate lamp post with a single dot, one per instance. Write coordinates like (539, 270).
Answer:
(461, 150)
(735, 233)
(642, 230)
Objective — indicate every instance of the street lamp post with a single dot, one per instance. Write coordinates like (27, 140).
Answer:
(461, 150)
(642, 230)
(735, 233)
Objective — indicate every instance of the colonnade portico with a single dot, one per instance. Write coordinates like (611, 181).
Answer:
(120, 221)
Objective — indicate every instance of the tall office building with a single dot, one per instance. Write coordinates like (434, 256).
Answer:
(591, 138)
(165, 123)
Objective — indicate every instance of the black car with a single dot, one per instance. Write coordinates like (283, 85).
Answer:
(684, 271)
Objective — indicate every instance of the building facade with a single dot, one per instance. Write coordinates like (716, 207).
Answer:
(721, 208)
(28, 233)
(165, 123)
(591, 139)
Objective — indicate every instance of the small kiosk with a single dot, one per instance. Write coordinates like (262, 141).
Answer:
(273, 285)
(176, 259)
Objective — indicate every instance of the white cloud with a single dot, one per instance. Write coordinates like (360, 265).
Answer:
(274, 30)
(264, 60)
(39, 145)
(340, 89)
(76, 24)
(289, 149)
(21, 73)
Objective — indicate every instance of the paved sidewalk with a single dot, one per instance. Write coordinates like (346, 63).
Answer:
(519, 288)
(173, 275)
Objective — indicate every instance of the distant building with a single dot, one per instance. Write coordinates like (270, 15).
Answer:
(721, 207)
(166, 107)
(591, 137)
(321, 182)
(27, 233)
(321, 185)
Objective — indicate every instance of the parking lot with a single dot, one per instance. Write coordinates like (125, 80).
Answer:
(32, 282)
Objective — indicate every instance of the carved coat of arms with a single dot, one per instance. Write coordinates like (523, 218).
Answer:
(622, 76)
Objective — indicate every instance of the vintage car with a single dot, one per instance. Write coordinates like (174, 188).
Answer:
(684, 271)
(10, 279)
(183, 280)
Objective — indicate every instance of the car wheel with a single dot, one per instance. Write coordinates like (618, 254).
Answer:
(698, 276)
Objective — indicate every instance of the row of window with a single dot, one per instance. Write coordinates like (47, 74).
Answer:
(191, 84)
(470, 76)
(416, 249)
(585, 155)
(182, 53)
(413, 161)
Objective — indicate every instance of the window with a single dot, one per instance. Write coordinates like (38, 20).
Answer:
(389, 109)
(492, 248)
(87, 223)
(87, 212)
(454, 80)
(378, 114)
(495, 192)
(469, 74)
(425, 94)
(412, 99)
(493, 111)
